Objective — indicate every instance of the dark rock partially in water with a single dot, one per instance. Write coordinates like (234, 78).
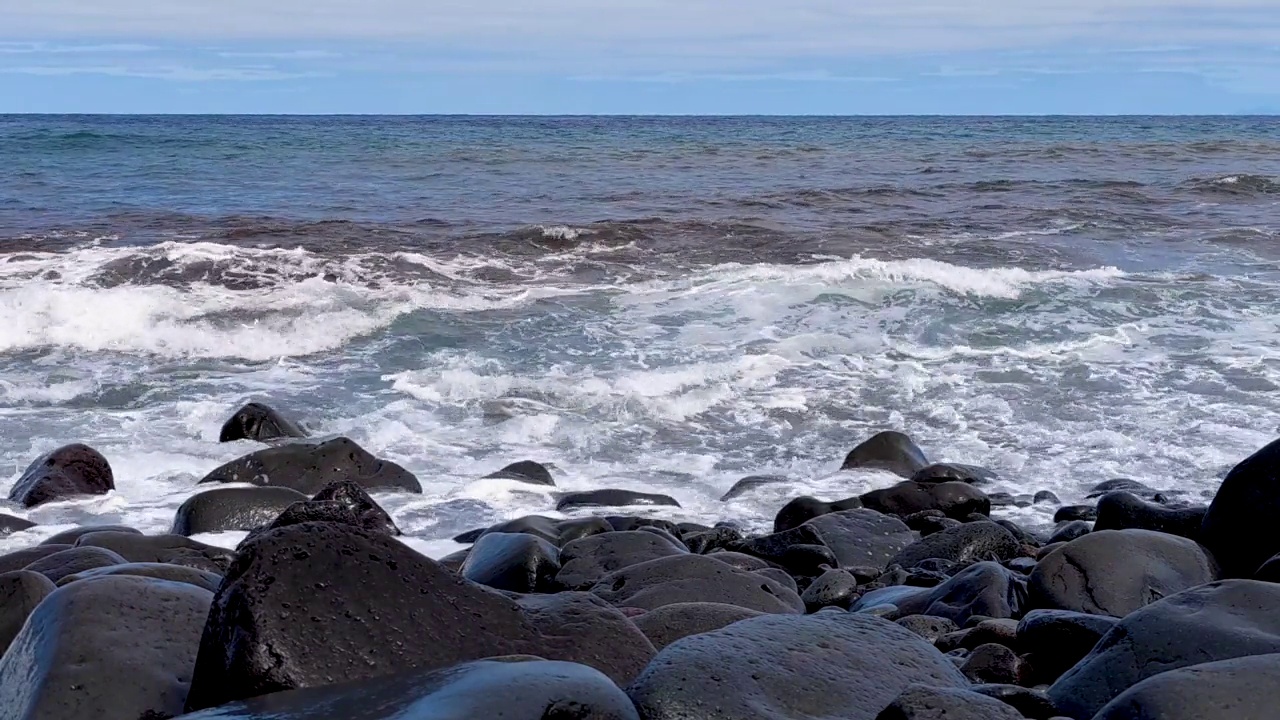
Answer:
(1126, 511)
(257, 421)
(1114, 572)
(955, 500)
(612, 498)
(309, 467)
(1121, 485)
(831, 664)
(803, 509)
(664, 625)
(232, 509)
(352, 496)
(511, 688)
(954, 472)
(1219, 621)
(525, 471)
(110, 647)
(707, 541)
(516, 562)
(69, 471)
(747, 484)
(889, 450)
(10, 524)
(556, 532)
(1068, 513)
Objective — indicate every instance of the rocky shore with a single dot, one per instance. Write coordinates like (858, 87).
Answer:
(909, 602)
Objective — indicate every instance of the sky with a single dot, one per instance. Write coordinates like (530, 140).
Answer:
(775, 57)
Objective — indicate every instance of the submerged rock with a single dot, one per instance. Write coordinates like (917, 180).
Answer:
(889, 450)
(803, 509)
(525, 471)
(67, 472)
(309, 467)
(747, 484)
(257, 421)
(612, 498)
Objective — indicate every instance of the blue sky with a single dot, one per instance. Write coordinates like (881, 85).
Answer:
(641, 56)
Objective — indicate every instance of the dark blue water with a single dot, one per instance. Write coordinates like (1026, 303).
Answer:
(658, 303)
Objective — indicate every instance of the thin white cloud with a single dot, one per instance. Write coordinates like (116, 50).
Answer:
(178, 73)
(280, 54)
(816, 76)
(41, 48)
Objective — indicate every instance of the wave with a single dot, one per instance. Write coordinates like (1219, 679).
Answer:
(1237, 185)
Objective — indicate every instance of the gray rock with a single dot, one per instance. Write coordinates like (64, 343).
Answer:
(584, 562)
(172, 549)
(985, 589)
(927, 626)
(664, 625)
(1126, 511)
(612, 498)
(949, 472)
(1244, 688)
(20, 592)
(1070, 530)
(967, 543)
(10, 524)
(890, 450)
(19, 559)
(834, 588)
(955, 499)
(694, 578)
(1055, 640)
(74, 560)
(920, 702)
(160, 571)
(803, 509)
(309, 467)
(993, 663)
(72, 536)
(747, 484)
(862, 538)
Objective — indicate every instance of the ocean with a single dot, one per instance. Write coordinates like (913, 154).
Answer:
(657, 304)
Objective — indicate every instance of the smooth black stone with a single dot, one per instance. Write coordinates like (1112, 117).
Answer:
(807, 560)
(834, 588)
(556, 532)
(831, 664)
(584, 562)
(1219, 621)
(1046, 496)
(19, 559)
(967, 543)
(1067, 513)
(739, 560)
(920, 702)
(1126, 511)
(1019, 534)
(774, 546)
(1114, 572)
(747, 484)
(309, 467)
(862, 538)
(256, 421)
(622, 523)
(1056, 640)
(955, 500)
(510, 688)
(10, 524)
(985, 589)
(667, 624)
(526, 471)
(890, 450)
(160, 571)
(803, 509)
(20, 592)
(172, 549)
(70, 471)
(232, 509)
(694, 578)
(514, 562)
(612, 498)
(1121, 485)
(954, 472)
(1070, 530)
(109, 647)
(70, 537)
(74, 560)
(1245, 688)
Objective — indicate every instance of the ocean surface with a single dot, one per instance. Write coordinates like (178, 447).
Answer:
(659, 304)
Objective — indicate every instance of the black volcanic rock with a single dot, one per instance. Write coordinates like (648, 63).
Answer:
(256, 421)
(309, 467)
(69, 471)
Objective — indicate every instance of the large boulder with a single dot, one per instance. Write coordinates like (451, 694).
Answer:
(803, 509)
(74, 560)
(985, 589)
(525, 471)
(949, 472)
(353, 497)
(556, 532)
(1240, 528)
(968, 543)
(309, 467)
(516, 562)
(1055, 640)
(172, 549)
(110, 647)
(20, 592)
(323, 603)
(669, 623)
(1126, 511)
(832, 664)
(72, 536)
(67, 472)
(862, 538)
(890, 450)
(955, 499)
(695, 578)
(921, 702)
(1245, 688)
(232, 509)
(513, 688)
(611, 497)
(160, 571)
(19, 559)
(585, 561)
(256, 421)
(1114, 572)
(1219, 621)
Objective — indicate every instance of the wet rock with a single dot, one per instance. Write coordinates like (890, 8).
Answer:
(260, 422)
(612, 498)
(1114, 572)
(322, 603)
(1031, 703)
(525, 471)
(556, 532)
(927, 626)
(834, 588)
(232, 509)
(1219, 621)
(1055, 640)
(309, 467)
(160, 571)
(1019, 533)
(807, 560)
(993, 663)
(920, 702)
(1067, 513)
(110, 647)
(828, 665)
(586, 561)
(862, 538)
(667, 624)
(1121, 485)
(773, 547)
(954, 499)
(967, 543)
(984, 589)
(70, 537)
(747, 484)
(739, 560)
(954, 472)
(1046, 496)
(1001, 499)
(353, 497)
(1244, 688)
(69, 471)
(1240, 527)
(511, 688)
(515, 562)
(1126, 511)
(803, 509)
(890, 450)
(19, 559)
(711, 540)
(694, 578)
(172, 549)
(623, 523)
(74, 560)
(10, 524)
(1068, 531)
(20, 592)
